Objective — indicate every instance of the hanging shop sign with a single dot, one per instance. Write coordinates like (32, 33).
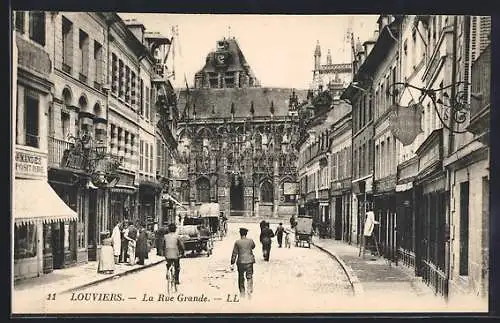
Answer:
(405, 122)
(179, 172)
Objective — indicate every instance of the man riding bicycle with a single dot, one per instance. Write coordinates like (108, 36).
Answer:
(174, 249)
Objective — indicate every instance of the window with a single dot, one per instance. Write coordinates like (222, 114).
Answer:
(146, 158)
(19, 21)
(141, 97)
(464, 229)
(355, 162)
(67, 43)
(151, 168)
(127, 84)
(369, 157)
(159, 157)
(229, 79)
(133, 93)
(31, 119)
(266, 192)
(98, 62)
(334, 166)
(147, 107)
(377, 162)
(83, 45)
(132, 144)
(152, 107)
(382, 159)
(121, 76)
(25, 241)
(114, 73)
(141, 155)
(203, 187)
(65, 124)
(37, 27)
(349, 162)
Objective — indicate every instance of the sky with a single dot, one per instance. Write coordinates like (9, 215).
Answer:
(279, 48)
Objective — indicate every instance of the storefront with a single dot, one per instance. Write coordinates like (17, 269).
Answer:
(362, 201)
(384, 203)
(36, 209)
(123, 200)
(432, 227)
(148, 201)
(340, 210)
(405, 209)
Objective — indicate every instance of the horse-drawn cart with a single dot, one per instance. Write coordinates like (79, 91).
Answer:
(303, 231)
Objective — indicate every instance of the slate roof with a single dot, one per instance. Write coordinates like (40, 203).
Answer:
(238, 61)
(206, 100)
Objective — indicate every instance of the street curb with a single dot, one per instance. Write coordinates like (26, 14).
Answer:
(95, 282)
(353, 279)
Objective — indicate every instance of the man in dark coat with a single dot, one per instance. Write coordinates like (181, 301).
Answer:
(265, 238)
(279, 234)
(244, 258)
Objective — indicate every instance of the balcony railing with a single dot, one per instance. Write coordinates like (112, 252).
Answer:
(56, 150)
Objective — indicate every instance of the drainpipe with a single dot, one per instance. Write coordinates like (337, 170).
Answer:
(450, 151)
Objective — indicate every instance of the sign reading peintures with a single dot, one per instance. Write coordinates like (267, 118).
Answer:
(30, 164)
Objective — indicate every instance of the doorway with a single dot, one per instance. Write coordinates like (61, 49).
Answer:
(236, 196)
(57, 240)
(338, 218)
(92, 228)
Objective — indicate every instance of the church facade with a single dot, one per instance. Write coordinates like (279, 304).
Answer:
(237, 140)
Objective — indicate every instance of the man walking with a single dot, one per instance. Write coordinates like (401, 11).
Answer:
(265, 238)
(279, 234)
(244, 258)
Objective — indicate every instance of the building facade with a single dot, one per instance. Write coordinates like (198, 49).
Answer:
(236, 139)
(430, 146)
(100, 96)
(36, 206)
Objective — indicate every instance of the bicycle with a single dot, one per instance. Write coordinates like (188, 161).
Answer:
(171, 284)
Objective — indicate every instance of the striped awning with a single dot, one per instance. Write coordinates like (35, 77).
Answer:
(36, 202)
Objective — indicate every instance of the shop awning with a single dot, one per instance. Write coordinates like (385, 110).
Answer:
(35, 201)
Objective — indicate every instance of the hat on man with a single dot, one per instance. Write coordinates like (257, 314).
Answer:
(243, 231)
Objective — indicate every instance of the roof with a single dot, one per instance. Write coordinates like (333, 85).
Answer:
(237, 62)
(219, 100)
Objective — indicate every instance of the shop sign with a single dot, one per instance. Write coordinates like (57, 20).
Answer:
(406, 122)
(179, 172)
(30, 164)
(72, 159)
(290, 188)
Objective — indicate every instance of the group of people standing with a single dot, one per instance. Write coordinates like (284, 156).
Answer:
(266, 235)
(127, 244)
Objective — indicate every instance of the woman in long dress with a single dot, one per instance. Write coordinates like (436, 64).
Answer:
(106, 260)
(117, 241)
(142, 245)
(131, 236)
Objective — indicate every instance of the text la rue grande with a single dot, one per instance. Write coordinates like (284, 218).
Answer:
(179, 298)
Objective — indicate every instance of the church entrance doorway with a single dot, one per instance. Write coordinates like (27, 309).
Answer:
(236, 196)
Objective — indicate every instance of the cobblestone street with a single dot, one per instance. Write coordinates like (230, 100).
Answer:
(295, 280)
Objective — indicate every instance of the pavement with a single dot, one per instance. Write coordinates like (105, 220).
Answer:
(68, 279)
(329, 277)
(302, 280)
(384, 286)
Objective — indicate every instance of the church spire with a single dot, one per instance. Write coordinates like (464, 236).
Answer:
(329, 58)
